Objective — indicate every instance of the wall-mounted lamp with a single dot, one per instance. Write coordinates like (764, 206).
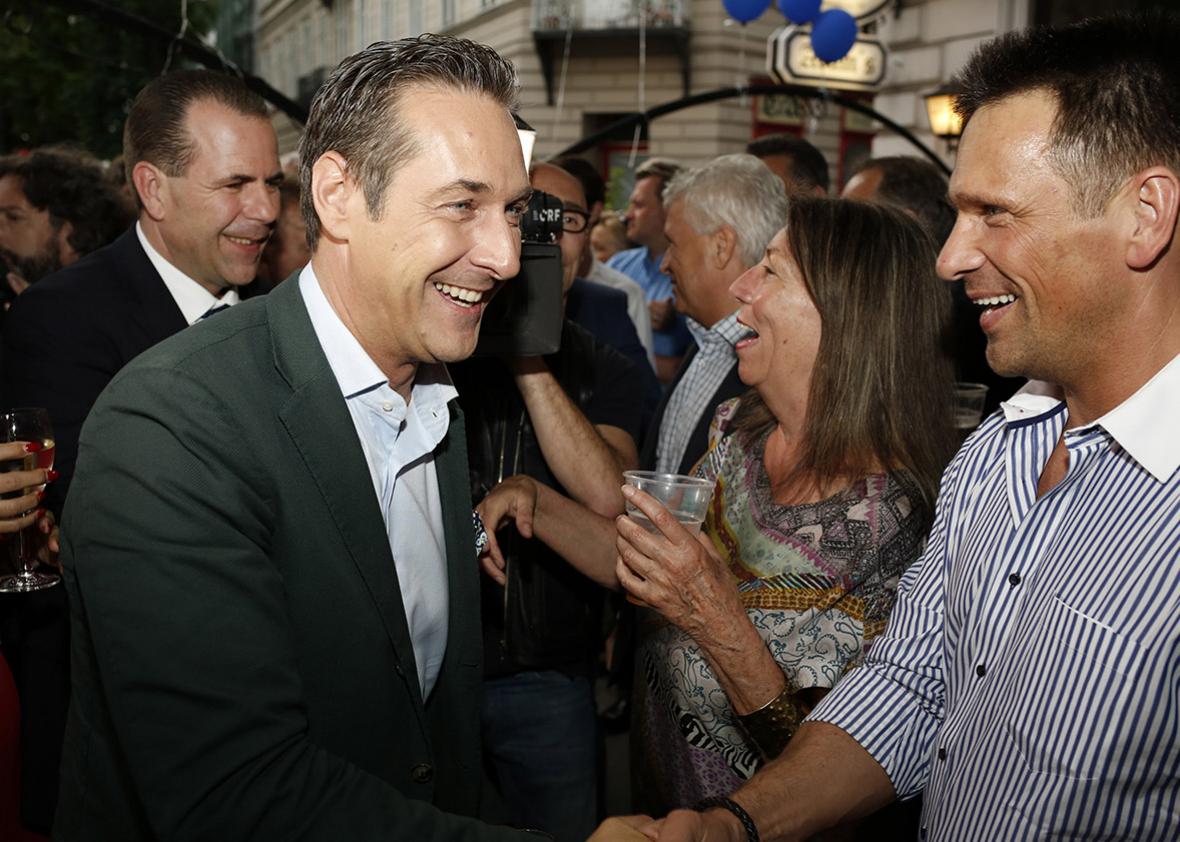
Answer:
(940, 108)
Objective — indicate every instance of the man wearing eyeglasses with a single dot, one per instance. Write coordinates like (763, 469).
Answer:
(570, 421)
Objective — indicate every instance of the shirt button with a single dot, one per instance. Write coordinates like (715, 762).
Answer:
(387, 406)
(941, 753)
(981, 670)
(1014, 579)
(422, 773)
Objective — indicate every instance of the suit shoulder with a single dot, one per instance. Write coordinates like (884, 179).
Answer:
(219, 347)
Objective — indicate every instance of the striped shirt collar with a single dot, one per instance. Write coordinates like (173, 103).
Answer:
(1135, 423)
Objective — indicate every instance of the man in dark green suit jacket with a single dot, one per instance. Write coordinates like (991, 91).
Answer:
(244, 660)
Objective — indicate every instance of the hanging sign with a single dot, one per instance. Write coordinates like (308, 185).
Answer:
(863, 10)
(791, 60)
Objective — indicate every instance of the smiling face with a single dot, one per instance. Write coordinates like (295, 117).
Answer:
(215, 218)
(414, 282)
(779, 356)
(1039, 270)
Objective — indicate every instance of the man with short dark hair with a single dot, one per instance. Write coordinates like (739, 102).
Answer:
(801, 166)
(1026, 681)
(644, 219)
(203, 162)
(593, 270)
(55, 207)
(269, 545)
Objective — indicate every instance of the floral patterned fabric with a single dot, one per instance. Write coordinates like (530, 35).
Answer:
(817, 581)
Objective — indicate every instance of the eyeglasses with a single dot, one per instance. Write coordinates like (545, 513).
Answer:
(574, 221)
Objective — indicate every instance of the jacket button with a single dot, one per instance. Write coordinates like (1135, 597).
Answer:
(422, 773)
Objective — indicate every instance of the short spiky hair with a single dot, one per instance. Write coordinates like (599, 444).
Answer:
(355, 112)
(1117, 85)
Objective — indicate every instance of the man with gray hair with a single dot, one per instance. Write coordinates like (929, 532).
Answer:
(719, 218)
(269, 547)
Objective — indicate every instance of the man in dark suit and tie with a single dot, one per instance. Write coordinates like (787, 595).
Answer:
(269, 547)
(202, 159)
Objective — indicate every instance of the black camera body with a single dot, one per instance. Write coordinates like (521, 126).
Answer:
(524, 319)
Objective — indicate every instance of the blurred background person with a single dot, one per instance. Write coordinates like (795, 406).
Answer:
(287, 250)
(919, 188)
(826, 476)
(644, 219)
(802, 168)
(608, 237)
(55, 206)
(593, 269)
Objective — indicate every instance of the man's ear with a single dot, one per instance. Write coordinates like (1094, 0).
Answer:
(1156, 203)
(66, 253)
(722, 246)
(151, 184)
(335, 196)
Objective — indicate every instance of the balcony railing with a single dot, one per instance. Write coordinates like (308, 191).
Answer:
(606, 15)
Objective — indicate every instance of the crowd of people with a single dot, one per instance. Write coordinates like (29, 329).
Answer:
(327, 574)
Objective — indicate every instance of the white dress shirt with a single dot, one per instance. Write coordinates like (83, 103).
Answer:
(399, 442)
(193, 299)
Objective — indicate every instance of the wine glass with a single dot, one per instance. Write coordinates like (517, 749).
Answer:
(31, 425)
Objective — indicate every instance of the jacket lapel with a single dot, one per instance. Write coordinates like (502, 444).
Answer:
(317, 419)
(153, 307)
(454, 489)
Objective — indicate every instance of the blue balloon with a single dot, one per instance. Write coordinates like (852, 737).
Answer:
(744, 11)
(833, 34)
(799, 11)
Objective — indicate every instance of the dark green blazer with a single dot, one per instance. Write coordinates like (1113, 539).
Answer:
(242, 666)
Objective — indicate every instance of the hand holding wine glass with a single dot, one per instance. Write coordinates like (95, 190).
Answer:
(26, 463)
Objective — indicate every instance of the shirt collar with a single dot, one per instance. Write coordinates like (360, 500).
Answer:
(1138, 424)
(354, 369)
(193, 299)
(727, 330)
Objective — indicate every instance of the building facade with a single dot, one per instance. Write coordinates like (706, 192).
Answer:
(582, 68)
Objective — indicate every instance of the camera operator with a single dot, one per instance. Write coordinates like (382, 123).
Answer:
(570, 420)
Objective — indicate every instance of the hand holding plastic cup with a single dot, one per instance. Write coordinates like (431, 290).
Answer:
(687, 498)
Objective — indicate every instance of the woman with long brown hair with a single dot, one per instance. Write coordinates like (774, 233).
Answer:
(826, 473)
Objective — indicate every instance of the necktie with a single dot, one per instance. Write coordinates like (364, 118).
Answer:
(213, 311)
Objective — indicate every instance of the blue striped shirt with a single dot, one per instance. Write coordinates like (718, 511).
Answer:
(1029, 678)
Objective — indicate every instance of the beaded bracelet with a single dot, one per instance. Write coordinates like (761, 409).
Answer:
(771, 727)
(735, 808)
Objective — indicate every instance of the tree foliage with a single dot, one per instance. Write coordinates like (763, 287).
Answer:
(69, 70)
